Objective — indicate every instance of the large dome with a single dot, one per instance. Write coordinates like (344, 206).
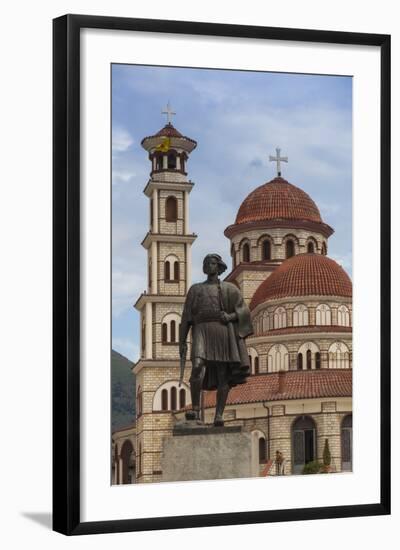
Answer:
(304, 275)
(278, 199)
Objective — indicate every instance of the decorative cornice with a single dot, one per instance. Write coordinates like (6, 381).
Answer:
(264, 265)
(237, 228)
(166, 238)
(294, 300)
(151, 363)
(170, 186)
(287, 334)
(145, 298)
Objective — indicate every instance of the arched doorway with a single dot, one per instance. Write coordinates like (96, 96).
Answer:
(128, 474)
(304, 439)
(347, 443)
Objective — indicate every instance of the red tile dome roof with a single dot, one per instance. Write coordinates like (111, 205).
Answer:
(169, 131)
(304, 275)
(278, 199)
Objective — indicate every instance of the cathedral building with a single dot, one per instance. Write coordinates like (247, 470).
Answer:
(297, 403)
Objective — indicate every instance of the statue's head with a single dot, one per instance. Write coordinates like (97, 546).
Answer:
(213, 263)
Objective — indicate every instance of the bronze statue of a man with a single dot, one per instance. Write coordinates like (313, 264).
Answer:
(220, 321)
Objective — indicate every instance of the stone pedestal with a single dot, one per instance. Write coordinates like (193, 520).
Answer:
(197, 452)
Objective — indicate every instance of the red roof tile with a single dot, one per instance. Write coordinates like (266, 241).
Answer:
(278, 199)
(168, 131)
(304, 275)
(294, 385)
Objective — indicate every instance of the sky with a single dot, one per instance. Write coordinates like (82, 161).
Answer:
(238, 119)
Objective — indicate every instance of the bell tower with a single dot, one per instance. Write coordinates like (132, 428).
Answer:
(168, 245)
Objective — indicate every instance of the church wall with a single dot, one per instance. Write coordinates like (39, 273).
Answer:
(178, 250)
(277, 237)
(170, 228)
(326, 413)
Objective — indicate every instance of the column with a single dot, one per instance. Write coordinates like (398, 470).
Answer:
(165, 162)
(188, 266)
(178, 162)
(121, 471)
(155, 211)
(154, 264)
(186, 211)
(149, 331)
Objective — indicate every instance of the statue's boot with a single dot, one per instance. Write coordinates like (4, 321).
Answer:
(222, 395)
(195, 391)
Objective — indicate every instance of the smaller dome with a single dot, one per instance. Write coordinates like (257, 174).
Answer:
(278, 199)
(175, 137)
(304, 275)
(169, 131)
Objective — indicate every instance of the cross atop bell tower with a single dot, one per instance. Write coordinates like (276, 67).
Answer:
(168, 111)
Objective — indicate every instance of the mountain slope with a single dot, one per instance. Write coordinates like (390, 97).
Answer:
(122, 391)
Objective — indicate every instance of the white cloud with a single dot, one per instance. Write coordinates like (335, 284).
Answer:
(120, 176)
(121, 140)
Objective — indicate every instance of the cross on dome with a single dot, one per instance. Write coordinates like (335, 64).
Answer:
(278, 159)
(168, 111)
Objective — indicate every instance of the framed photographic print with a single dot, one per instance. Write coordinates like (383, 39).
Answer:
(221, 274)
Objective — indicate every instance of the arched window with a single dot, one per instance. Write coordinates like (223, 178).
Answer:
(164, 399)
(347, 443)
(183, 162)
(303, 442)
(182, 398)
(343, 316)
(116, 465)
(171, 161)
(171, 209)
(289, 248)
(246, 252)
(173, 331)
(323, 250)
(173, 398)
(253, 360)
(278, 358)
(261, 450)
(176, 271)
(266, 250)
(143, 338)
(300, 316)
(167, 271)
(266, 322)
(318, 360)
(159, 162)
(139, 402)
(299, 361)
(170, 328)
(339, 356)
(126, 455)
(323, 315)
(308, 351)
(308, 359)
(310, 247)
(280, 320)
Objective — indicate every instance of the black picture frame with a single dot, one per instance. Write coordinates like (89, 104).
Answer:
(66, 273)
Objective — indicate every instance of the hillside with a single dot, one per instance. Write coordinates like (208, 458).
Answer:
(122, 391)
